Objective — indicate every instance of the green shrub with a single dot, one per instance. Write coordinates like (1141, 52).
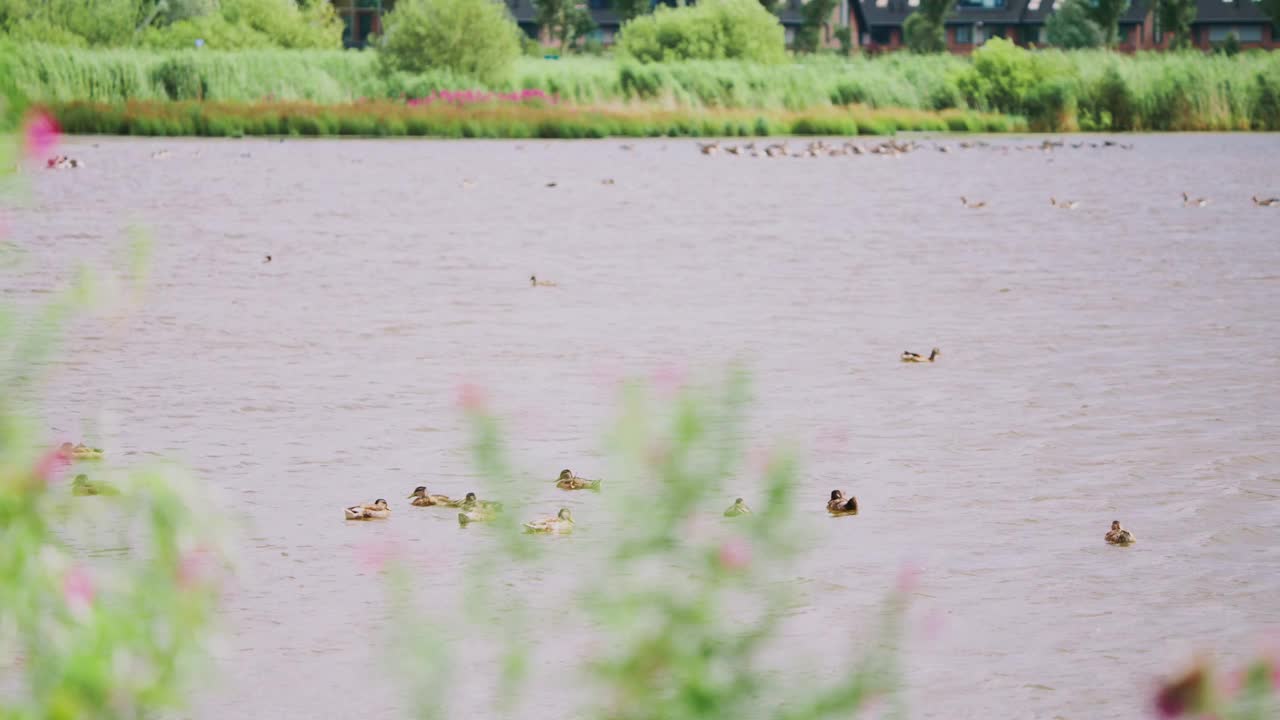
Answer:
(1266, 103)
(1071, 28)
(476, 38)
(180, 79)
(1051, 105)
(711, 30)
(1112, 96)
(1000, 77)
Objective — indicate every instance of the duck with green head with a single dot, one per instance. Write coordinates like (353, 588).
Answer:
(737, 508)
(561, 523)
(569, 481)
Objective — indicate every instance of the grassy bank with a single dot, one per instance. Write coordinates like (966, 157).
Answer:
(1089, 90)
(389, 118)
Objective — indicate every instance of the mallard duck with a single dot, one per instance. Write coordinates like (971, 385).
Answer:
(535, 282)
(1188, 201)
(561, 523)
(379, 509)
(1266, 202)
(974, 205)
(737, 508)
(82, 486)
(79, 451)
(1064, 204)
(473, 503)
(569, 481)
(420, 498)
(910, 357)
(840, 505)
(1119, 536)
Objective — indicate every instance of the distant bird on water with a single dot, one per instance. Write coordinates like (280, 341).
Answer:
(1266, 202)
(1188, 201)
(840, 505)
(535, 282)
(1119, 536)
(910, 357)
(1064, 204)
(973, 205)
(266, 260)
(551, 184)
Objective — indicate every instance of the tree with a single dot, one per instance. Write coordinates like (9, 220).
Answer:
(1272, 9)
(1069, 26)
(564, 20)
(470, 37)
(1106, 15)
(815, 15)
(1176, 17)
(628, 9)
(772, 6)
(924, 32)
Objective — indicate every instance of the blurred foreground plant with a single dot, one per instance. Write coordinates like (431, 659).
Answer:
(683, 607)
(91, 627)
(1252, 693)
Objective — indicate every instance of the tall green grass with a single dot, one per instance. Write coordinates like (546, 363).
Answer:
(1089, 90)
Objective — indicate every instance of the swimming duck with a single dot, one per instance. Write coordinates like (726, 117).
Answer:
(79, 451)
(910, 357)
(473, 503)
(974, 205)
(377, 510)
(1065, 204)
(561, 523)
(420, 498)
(476, 514)
(62, 162)
(709, 148)
(1188, 201)
(569, 481)
(737, 508)
(1119, 536)
(1266, 202)
(82, 486)
(840, 505)
(535, 282)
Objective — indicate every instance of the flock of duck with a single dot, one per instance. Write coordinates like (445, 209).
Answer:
(1187, 201)
(890, 148)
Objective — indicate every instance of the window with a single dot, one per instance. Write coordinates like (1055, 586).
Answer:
(981, 4)
(1030, 34)
(964, 34)
(1243, 33)
(881, 35)
(997, 31)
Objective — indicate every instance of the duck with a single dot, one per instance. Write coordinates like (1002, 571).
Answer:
(477, 511)
(1065, 204)
(709, 148)
(972, 205)
(266, 259)
(535, 282)
(607, 181)
(737, 508)
(561, 523)
(79, 451)
(1188, 201)
(161, 155)
(569, 481)
(378, 510)
(1266, 202)
(840, 505)
(1119, 536)
(910, 357)
(62, 162)
(81, 485)
(420, 498)
(467, 184)
(471, 502)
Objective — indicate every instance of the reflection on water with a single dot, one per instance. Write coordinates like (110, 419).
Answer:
(1113, 362)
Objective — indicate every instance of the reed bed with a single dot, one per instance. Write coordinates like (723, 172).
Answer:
(497, 120)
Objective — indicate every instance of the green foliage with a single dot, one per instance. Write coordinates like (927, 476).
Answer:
(1272, 9)
(925, 31)
(628, 9)
(1106, 15)
(1176, 17)
(844, 36)
(683, 608)
(1001, 76)
(1114, 105)
(1070, 26)
(1229, 47)
(1050, 106)
(710, 30)
(476, 38)
(816, 14)
(1266, 103)
(565, 21)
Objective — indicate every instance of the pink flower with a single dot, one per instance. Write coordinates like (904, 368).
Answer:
(735, 554)
(471, 397)
(41, 135)
(77, 588)
(51, 465)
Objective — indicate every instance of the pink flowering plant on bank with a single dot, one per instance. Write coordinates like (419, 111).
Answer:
(672, 610)
(466, 98)
(82, 636)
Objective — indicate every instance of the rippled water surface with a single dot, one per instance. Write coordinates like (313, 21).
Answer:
(1116, 361)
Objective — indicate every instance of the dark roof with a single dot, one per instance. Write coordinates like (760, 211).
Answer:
(896, 12)
(1234, 11)
(1038, 11)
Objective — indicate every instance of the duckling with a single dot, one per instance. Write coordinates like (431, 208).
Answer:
(973, 205)
(737, 508)
(535, 282)
(378, 510)
(910, 357)
(420, 498)
(839, 505)
(473, 503)
(569, 481)
(82, 486)
(1065, 204)
(1188, 201)
(561, 523)
(1266, 202)
(1119, 536)
(79, 451)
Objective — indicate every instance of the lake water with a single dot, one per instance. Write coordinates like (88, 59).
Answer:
(1118, 361)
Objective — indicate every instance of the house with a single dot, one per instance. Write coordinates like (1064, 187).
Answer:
(972, 23)
(1218, 19)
